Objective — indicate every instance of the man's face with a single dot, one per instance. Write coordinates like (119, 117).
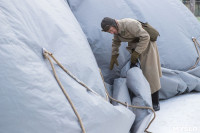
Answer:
(113, 30)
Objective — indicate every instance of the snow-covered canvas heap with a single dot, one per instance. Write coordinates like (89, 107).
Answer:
(175, 23)
(31, 99)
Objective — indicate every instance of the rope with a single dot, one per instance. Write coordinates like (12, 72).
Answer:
(198, 58)
(63, 90)
(46, 53)
(126, 104)
(72, 76)
(107, 94)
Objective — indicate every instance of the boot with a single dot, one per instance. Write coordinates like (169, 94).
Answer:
(155, 100)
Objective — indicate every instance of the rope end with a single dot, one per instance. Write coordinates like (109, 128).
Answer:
(45, 52)
(193, 39)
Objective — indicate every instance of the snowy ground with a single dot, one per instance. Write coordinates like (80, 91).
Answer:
(180, 114)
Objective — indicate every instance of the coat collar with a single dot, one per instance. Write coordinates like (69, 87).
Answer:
(121, 32)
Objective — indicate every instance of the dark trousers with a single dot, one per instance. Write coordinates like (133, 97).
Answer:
(155, 97)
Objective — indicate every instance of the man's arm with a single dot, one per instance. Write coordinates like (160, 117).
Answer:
(116, 43)
(135, 28)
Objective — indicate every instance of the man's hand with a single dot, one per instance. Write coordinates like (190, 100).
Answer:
(134, 57)
(114, 61)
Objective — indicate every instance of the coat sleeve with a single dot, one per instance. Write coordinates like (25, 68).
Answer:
(116, 43)
(135, 28)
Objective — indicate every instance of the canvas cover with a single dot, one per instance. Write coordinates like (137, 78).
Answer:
(176, 48)
(31, 99)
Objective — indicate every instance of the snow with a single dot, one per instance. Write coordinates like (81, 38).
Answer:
(179, 114)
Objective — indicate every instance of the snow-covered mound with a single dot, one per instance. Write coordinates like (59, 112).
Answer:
(31, 99)
(175, 23)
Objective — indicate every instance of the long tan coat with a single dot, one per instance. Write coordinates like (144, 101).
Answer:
(129, 30)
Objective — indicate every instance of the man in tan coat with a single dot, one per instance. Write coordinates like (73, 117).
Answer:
(140, 46)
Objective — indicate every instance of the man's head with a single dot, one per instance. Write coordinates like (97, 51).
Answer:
(109, 25)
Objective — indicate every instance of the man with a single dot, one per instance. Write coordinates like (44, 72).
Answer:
(140, 46)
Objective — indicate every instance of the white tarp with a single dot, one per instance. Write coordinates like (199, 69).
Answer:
(138, 84)
(31, 100)
(176, 24)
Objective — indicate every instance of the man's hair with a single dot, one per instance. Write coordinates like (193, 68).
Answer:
(106, 23)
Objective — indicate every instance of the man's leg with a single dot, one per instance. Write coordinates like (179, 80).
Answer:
(155, 100)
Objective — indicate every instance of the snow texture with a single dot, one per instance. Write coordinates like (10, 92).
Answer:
(179, 114)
